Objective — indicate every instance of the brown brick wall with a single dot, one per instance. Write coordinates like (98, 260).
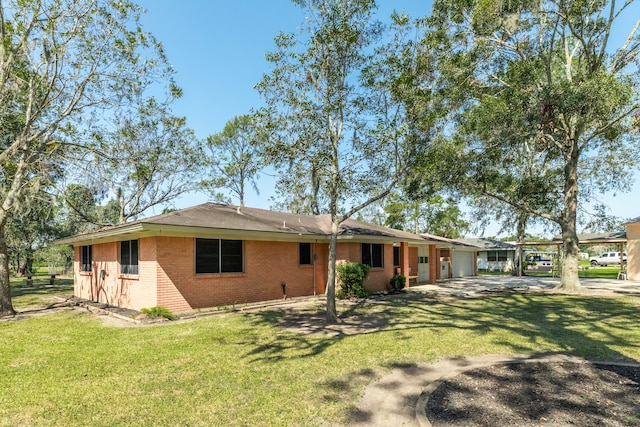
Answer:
(434, 264)
(266, 266)
(167, 274)
(112, 287)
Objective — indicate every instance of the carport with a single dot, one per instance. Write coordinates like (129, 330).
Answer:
(617, 237)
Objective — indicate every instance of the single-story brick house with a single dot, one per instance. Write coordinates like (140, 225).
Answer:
(633, 248)
(213, 255)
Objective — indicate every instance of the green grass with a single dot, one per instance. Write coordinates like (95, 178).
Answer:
(35, 294)
(243, 369)
(600, 272)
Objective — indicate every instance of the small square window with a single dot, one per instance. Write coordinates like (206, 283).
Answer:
(305, 254)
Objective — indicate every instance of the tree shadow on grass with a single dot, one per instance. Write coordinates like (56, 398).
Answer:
(41, 287)
(584, 326)
(595, 328)
(306, 332)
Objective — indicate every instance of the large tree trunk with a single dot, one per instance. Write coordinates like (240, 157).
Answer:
(28, 262)
(332, 315)
(569, 280)
(6, 307)
(521, 229)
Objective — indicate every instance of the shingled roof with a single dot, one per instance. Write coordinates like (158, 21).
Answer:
(632, 221)
(225, 219)
(490, 244)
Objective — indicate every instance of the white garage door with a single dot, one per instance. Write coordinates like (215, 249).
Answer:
(462, 264)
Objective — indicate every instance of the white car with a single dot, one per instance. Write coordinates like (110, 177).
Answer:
(608, 258)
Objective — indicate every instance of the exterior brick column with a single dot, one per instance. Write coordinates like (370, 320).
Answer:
(434, 264)
(404, 261)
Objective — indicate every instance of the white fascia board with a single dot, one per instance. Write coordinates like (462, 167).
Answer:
(138, 231)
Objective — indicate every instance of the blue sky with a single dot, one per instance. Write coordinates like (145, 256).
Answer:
(217, 48)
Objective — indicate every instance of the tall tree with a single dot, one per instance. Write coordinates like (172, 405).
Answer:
(334, 112)
(234, 160)
(438, 215)
(79, 210)
(146, 157)
(555, 75)
(64, 64)
(29, 229)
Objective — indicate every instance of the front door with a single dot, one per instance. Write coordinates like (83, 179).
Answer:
(444, 269)
(423, 264)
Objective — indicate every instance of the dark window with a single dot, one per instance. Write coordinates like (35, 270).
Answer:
(207, 256)
(396, 256)
(305, 253)
(231, 256)
(502, 256)
(86, 258)
(129, 257)
(218, 256)
(492, 256)
(372, 254)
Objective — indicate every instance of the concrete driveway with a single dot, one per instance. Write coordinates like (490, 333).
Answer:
(485, 284)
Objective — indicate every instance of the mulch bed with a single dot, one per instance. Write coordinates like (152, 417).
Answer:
(539, 394)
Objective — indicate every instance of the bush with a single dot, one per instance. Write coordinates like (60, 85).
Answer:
(398, 282)
(158, 312)
(352, 276)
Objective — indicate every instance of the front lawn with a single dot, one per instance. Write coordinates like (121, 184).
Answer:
(244, 369)
(37, 293)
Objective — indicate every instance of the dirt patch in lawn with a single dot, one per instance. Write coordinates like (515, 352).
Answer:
(538, 393)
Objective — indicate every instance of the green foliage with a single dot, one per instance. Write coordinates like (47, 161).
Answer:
(55, 256)
(337, 129)
(234, 159)
(68, 69)
(545, 102)
(158, 312)
(436, 215)
(150, 157)
(398, 282)
(352, 276)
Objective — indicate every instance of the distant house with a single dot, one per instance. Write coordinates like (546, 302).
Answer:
(633, 248)
(211, 255)
(494, 255)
